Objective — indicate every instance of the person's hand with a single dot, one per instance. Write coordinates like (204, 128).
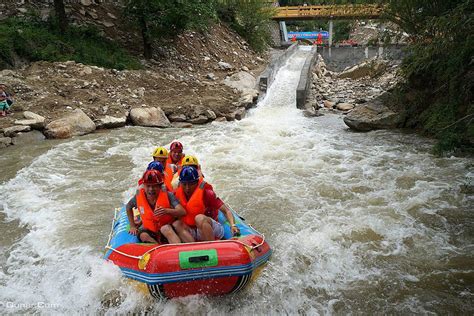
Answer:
(160, 211)
(235, 230)
(133, 230)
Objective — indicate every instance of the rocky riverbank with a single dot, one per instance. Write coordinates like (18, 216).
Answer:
(201, 78)
(357, 92)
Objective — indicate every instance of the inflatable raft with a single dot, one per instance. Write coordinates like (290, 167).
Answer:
(173, 270)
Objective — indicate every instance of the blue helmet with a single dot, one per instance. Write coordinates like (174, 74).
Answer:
(155, 165)
(188, 174)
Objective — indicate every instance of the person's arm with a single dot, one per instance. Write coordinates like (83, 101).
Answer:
(230, 217)
(129, 208)
(176, 210)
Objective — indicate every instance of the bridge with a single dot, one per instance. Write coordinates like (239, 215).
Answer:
(328, 12)
(325, 12)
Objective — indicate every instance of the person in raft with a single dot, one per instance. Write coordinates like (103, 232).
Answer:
(160, 154)
(154, 165)
(157, 208)
(188, 160)
(202, 208)
(176, 155)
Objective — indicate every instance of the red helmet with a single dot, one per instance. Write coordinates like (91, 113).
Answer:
(176, 146)
(151, 177)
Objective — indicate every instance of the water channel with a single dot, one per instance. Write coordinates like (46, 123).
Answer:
(359, 222)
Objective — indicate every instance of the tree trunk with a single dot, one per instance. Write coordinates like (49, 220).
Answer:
(60, 14)
(147, 50)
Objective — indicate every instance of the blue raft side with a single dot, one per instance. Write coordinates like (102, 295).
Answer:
(121, 235)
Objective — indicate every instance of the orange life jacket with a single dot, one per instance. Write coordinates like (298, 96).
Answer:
(151, 222)
(168, 178)
(194, 206)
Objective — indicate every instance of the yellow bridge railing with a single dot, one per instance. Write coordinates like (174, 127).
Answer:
(341, 11)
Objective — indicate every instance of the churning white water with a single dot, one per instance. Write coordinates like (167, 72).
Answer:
(359, 222)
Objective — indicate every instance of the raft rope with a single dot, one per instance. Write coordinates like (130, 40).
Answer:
(171, 245)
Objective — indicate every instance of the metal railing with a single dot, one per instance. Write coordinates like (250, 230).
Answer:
(342, 11)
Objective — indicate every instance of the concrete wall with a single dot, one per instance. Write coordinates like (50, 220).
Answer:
(339, 58)
(304, 85)
(268, 75)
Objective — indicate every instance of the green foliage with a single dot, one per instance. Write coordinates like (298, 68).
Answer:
(439, 66)
(34, 40)
(158, 19)
(251, 19)
(326, 2)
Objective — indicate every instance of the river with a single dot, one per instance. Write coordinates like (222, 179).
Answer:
(359, 222)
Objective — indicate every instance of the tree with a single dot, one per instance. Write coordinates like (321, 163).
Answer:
(250, 19)
(60, 15)
(158, 19)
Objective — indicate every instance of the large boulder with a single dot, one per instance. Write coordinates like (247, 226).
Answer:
(74, 124)
(372, 116)
(372, 68)
(111, 122)
(241, 81)
(152, 117)
(33, 120)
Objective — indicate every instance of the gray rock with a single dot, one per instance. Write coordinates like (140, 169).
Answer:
(5, 142)
(74, 124)
(220, 119)
(211, 76)
(239, 113)
(372, 116)
(181, 125)
(12, 131)
(248, 98)
(34, 124)
(33, 116)
(177, 118)
(86, 2)
(111, 122)
(28, 138)
(241, 81)
(201, 119)
(224, 65)
(210, 114)
(152, 117)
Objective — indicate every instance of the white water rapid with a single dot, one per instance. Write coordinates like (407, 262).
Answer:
(360, 223)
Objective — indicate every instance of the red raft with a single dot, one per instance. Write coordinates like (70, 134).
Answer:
(173, 270)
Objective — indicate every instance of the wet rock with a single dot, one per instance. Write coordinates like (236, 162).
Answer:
(5, 142)
(220, 119)
(152, 117)
(111, 122)
(248, 98)
(86, 2)
(201, 119)
(181, 125)
(28, 138)
(344, 106)
(239, 113)
(74, 124)
(13, 130)
(372, 116)
(177, 118)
